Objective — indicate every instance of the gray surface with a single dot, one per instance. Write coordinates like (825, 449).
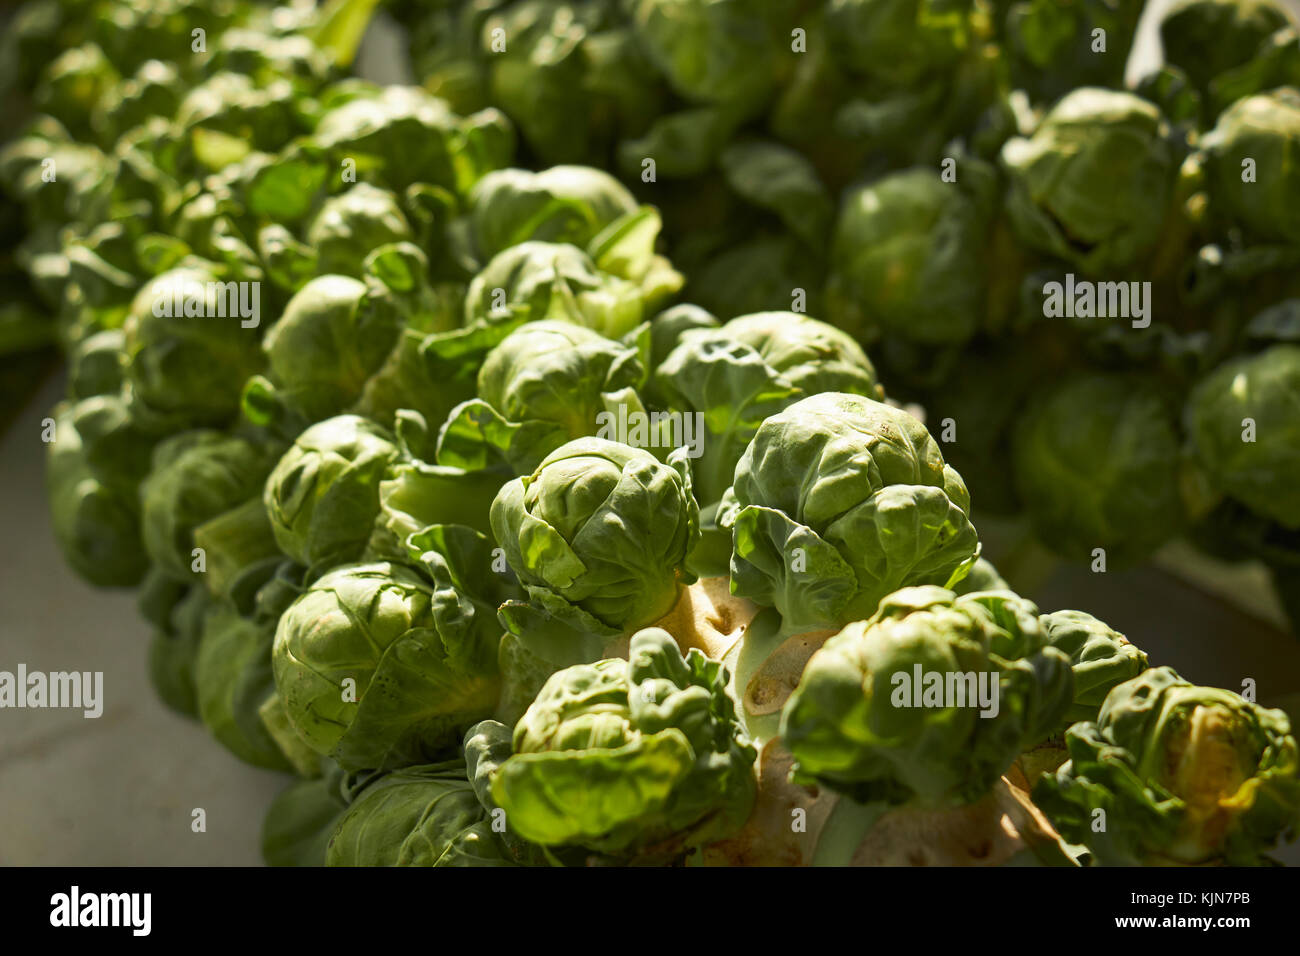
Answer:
(120, 789)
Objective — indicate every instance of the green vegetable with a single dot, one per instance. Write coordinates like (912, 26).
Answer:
(901, 708)
(598, 535)
(196, 476)
(405, 431)
(177, 613)
(739, 374)
(1263, 130)
(351, 224)
(232, 677)
(331, 338)
(323, 495)
(838, 501)
(910, 256)
(1096, 461)
(1242, 422)
(542, 280)
(381, 667)
(301, 819)
(93, 472)
(1094, 181)
(417, 816)
(1100, 658)
(1216, 42)
(191, 363)
(1172, 773)
(638, 760)
(546, 383)
(562, 204)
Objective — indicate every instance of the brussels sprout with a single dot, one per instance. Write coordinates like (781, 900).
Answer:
(542, 280)
(571, 77)
(1096, 460)
(639, 760)
(909, 259)
(1246, 433)
(303, 61)
(227, 117)
(416, 816)
(1100, 658)
(929, 701)
(717, 51)
(301, 819)
(74, 83)
(331, 338)
(556, 372)
(97, 366)
(1205, 38)
(153, 90)
(95, 464)
(738, 375)
(232, 677)
(323, 495)
(197, 475)
(1093, 183)
(1171, 773)
(84, 178)
(1053, 47)
(178, 613)
(562, 204)
(402, 135)
(654, 339)
(758, 275)
(380, 668)
(599, 531)
(546, 383)
(838, 501)
(189, 348)
(348, 226)
(1264, 130)
(897, 42)
(780, 179)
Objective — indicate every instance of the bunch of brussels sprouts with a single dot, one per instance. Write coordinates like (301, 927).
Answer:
(918, 173)
(530, 518)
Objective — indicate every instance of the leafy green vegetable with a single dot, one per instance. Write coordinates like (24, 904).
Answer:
(902, 707)
(381, 668)
(598, 535)
(1242, 421)
(638, 760)
(323, 495)
(1172, 773)
(837, 501)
